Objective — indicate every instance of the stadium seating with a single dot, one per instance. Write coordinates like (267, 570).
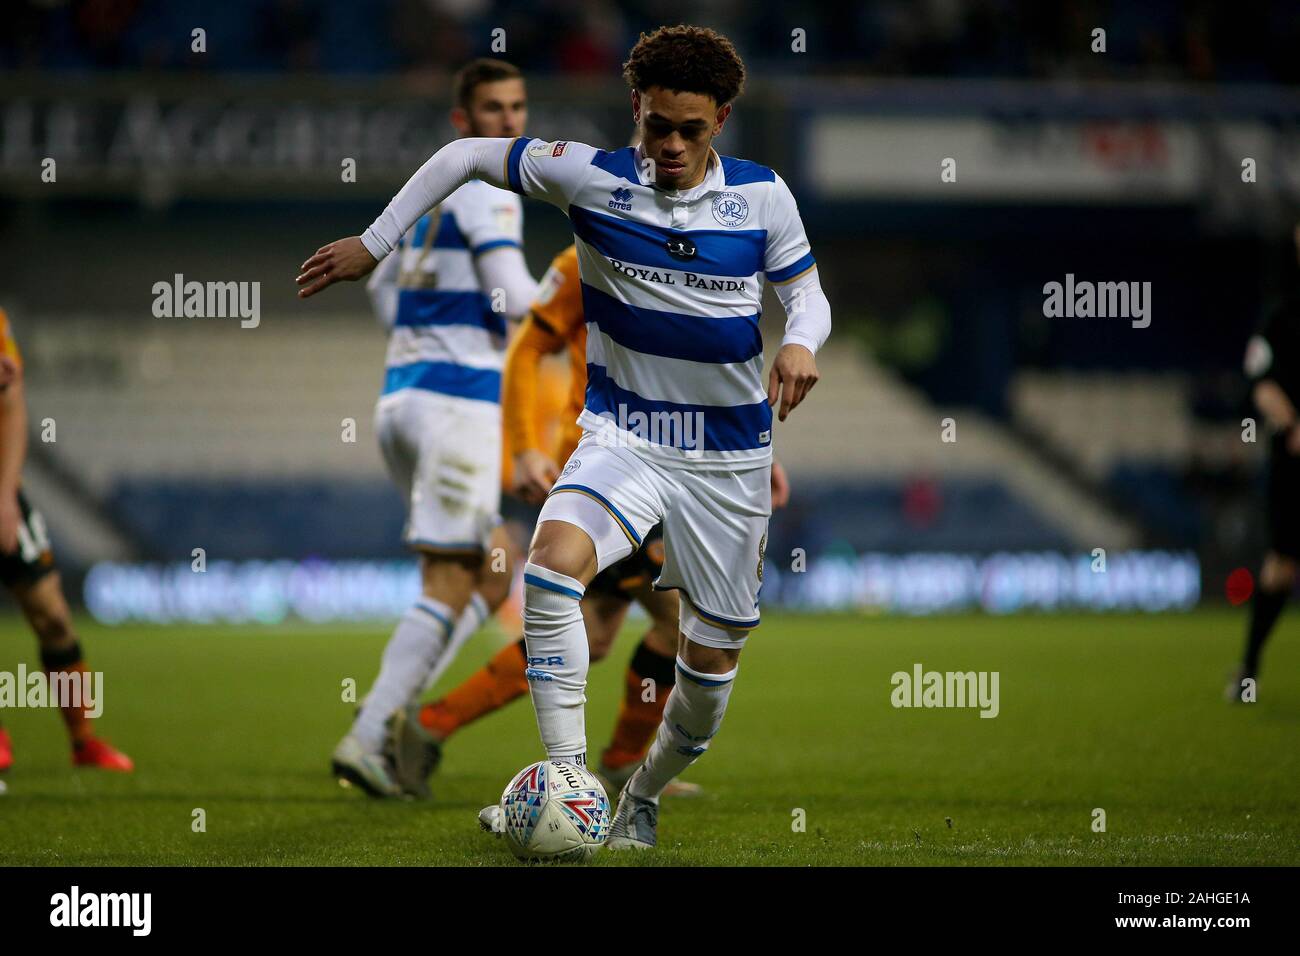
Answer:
(1100, 419)
(1134, 436)
(208, 399)
(224, 437)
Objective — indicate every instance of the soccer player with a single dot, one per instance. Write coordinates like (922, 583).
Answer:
(27, 569)
(554, 324)
(1273, 366)
(674, 243)
(456, 279)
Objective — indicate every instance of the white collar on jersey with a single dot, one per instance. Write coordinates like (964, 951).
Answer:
(713, 177)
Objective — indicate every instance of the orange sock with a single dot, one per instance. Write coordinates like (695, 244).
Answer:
(638, 718)
(79, 726)
(493, 686)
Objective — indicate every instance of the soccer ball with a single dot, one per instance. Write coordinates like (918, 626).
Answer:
(554, 810)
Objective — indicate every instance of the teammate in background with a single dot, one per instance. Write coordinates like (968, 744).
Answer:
(1273, 366)
(27, 570)
(457, 277)
(554, 324)
(674, 243)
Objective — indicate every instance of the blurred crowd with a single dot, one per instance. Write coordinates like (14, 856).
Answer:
(1197, 40)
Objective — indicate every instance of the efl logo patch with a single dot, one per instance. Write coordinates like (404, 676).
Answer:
(730, 209)
(504, 216)
(547, 149)
(570, 468)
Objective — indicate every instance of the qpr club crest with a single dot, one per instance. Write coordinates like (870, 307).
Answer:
(730, 208)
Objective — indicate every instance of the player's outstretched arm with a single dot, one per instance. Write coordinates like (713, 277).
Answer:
(794, 373)
(449, 168)
(790, 267)
(338, 261)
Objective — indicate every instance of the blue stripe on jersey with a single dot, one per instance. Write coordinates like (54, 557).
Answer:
(445, 378)
(734, 252)
(738, 172)
(426, 307)
(494, 244)
(448, 235)
(618, 162)
(726, 427)
(802, 264)
(513, 157)
(697, 338)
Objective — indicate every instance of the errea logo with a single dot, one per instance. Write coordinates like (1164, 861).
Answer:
(622, 199)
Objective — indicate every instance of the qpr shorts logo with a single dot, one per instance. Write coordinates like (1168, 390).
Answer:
(730, 209)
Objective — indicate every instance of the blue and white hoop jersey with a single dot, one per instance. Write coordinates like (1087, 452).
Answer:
(445, 337)
(672, 286)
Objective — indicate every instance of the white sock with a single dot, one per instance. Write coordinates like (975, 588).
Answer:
(474, 616)
(692, 716)
(417, 641)
(558, 658)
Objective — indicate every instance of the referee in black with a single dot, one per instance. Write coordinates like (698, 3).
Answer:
(1273, 367)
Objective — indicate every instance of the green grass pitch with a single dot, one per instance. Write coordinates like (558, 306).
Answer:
(1121, 713)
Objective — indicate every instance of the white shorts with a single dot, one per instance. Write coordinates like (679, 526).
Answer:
(445, 455)
(714, 526)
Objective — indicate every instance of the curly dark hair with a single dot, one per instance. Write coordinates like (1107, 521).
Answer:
(686, 59)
